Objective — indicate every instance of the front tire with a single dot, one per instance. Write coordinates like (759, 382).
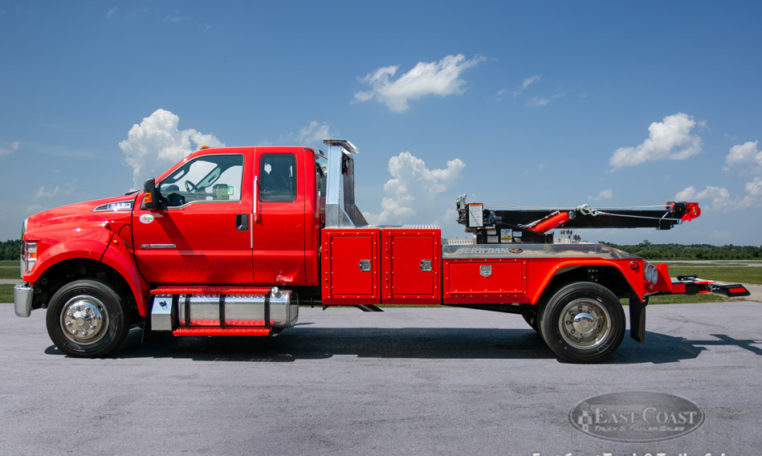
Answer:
(87, 318)
(583, 323)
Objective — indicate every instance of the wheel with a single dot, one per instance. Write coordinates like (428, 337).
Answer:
(87, 318)
(583, 323)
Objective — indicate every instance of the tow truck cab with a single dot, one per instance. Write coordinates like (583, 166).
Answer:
(236, 216)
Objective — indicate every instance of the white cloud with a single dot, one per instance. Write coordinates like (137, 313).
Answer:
(43, 193)
(314, 132)
(540, 102)
(744, 156)
(672, 138)
(12, 147)
(603, 195)
(719, 197)
(412, 193)
(157, 143)
(176, 18)
(65, 189)
(526, 83)
(111, 11)
(753, 196)
(34, 208)
(425, 78)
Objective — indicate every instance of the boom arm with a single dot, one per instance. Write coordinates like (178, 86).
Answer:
(530, 225)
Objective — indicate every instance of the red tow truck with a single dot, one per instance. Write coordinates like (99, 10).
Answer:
(230, 241)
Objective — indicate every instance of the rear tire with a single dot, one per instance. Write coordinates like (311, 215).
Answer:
(87, 318)
(583, 322)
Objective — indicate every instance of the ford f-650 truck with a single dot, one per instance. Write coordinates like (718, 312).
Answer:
(230, 241)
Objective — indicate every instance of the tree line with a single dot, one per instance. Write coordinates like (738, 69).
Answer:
(10, 250)
(691, 252)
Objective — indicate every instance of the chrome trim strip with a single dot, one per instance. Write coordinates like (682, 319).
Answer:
(174, 208)
(157, 246)
(22, 300)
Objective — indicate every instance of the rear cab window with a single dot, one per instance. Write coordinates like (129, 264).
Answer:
(277, 178)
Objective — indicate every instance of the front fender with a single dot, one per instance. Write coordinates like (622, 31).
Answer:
(119, 258)
(89, 244)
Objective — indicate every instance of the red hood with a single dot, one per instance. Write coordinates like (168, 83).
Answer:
(81, 215)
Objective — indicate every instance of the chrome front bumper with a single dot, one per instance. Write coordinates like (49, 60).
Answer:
(22, 300)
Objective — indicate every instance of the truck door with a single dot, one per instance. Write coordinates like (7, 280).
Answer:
(279, 225)
(203, 235)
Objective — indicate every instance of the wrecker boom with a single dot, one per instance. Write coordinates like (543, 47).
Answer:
(529, 225)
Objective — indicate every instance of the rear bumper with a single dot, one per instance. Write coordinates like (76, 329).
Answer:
(22, 300)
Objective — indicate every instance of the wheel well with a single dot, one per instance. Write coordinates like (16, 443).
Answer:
(66, 271)
(608, 276)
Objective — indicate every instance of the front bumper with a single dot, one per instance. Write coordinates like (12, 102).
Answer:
(22, 300)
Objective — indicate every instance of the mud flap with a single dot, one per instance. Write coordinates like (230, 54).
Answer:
(638, 319)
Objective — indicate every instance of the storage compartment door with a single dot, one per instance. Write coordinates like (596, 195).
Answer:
(351, 267)
(411, 267)
(484, 281)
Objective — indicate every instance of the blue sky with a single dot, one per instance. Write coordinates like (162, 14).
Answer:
(515, 103)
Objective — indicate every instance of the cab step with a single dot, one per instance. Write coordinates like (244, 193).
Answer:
(222, 332)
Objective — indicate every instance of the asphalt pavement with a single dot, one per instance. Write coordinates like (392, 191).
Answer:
(412, 381)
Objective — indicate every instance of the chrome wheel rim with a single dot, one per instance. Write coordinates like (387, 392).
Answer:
(585, 323)
(84, 319)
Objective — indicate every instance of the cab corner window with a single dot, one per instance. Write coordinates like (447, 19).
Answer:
(277, 178)
(206, 178)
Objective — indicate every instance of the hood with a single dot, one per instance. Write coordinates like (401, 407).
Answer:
(115, 211)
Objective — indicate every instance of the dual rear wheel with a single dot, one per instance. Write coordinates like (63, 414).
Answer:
(582, 322)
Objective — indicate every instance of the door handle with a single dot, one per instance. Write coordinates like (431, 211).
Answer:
(242, 222)
(256, 196)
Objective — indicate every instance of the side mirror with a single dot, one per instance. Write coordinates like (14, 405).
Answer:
(151, 194)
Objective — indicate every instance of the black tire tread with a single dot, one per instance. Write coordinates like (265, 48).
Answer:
(551, 312)
(119, 324)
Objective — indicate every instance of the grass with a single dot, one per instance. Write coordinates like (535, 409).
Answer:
(10, 273)
(9, 269)
(6, 293)
(688, 299)
(719, 272)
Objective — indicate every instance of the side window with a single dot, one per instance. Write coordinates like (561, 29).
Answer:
(277, 178)
(206, 178)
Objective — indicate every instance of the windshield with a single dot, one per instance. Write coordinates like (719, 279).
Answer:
(205, 178)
